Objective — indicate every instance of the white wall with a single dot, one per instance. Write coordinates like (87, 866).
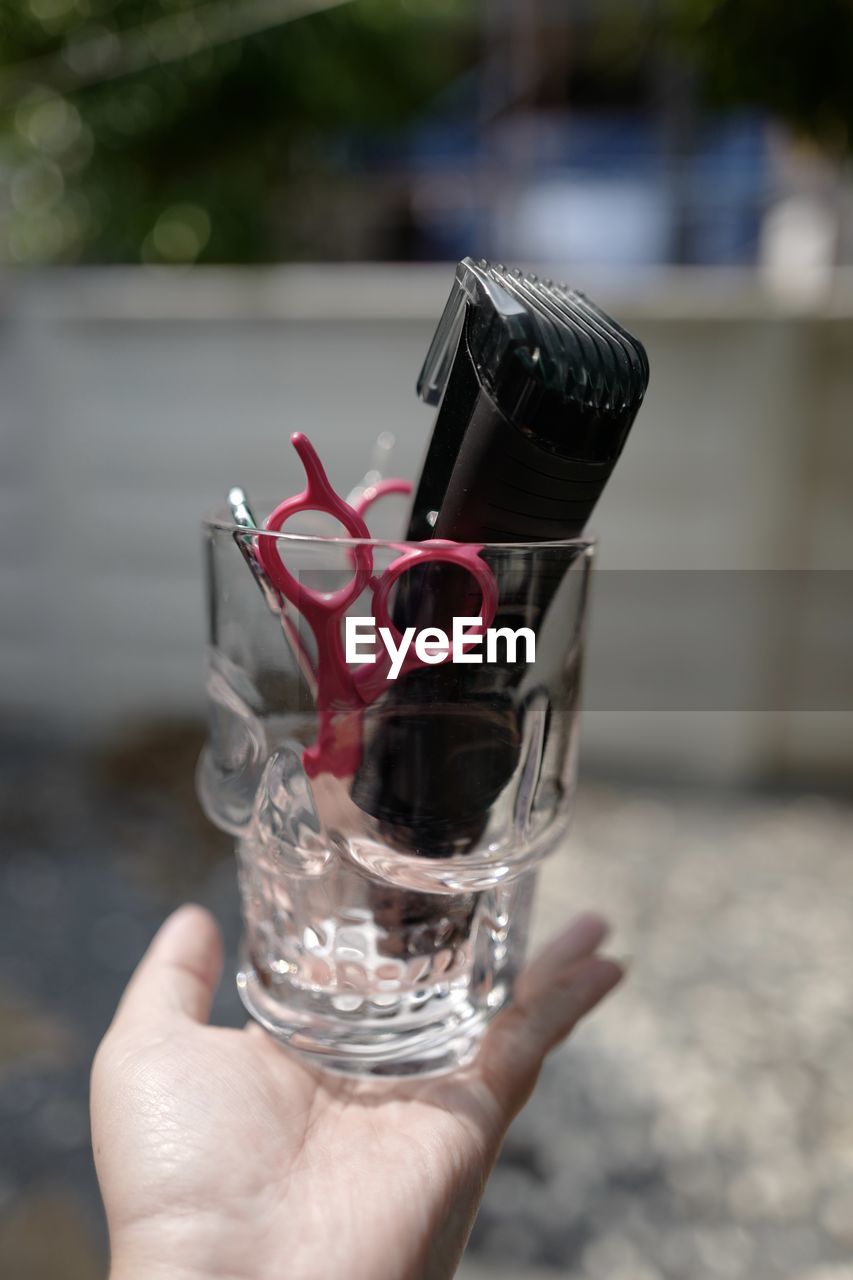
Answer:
(131, 400)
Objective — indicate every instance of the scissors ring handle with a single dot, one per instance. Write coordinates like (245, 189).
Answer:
(464, 554)
(381, 489)
(318, 495)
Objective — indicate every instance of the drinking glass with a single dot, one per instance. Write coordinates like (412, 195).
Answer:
(386, 887)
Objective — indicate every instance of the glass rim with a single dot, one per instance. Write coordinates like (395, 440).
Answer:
(586, 542)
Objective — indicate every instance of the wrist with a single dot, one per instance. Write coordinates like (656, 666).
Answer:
(129, 1268)
(174, 1256)
(121, 1270)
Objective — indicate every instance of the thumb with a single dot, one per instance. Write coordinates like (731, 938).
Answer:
(552, 994)
(178, 975)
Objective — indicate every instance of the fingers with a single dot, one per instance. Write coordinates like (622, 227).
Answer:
(562, 984)
(178, 975)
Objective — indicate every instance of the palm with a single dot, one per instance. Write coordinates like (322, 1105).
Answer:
(318, 1173)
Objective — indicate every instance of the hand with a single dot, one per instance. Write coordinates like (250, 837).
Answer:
(219, 1154)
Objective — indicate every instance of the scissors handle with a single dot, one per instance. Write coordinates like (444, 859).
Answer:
(318, 495)
(372, 681)
(381, 489)
(340, 693)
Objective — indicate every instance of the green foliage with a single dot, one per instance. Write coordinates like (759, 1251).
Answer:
(150, 130)
(198, 157)
(793, 58)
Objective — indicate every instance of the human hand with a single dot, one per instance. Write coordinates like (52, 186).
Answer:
(219, 1154)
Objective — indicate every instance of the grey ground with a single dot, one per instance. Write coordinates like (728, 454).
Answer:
(699, 1127)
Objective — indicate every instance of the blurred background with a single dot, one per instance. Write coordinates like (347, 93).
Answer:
(225, 220)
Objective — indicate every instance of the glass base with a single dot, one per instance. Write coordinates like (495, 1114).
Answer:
(358, 1047)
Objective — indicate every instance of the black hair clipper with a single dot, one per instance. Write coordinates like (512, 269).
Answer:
(537, 390)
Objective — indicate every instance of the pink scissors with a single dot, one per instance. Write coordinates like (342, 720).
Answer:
(342, 692)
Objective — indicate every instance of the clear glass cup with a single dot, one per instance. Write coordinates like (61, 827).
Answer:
(387, 879)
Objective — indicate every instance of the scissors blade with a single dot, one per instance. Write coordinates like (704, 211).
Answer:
(243, 516)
